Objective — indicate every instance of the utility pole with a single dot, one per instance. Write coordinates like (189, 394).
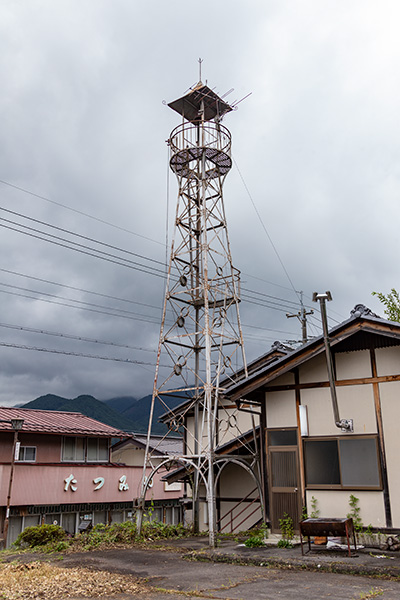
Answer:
(302, 317)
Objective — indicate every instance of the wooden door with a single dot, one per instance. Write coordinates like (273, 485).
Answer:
(284, 485)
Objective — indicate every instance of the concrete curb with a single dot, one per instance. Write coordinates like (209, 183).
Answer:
(360, 564)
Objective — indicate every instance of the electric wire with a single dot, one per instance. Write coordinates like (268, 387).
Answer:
(155, 271)
(70, 336)
(134, 264)
(70, 287)
(79, 354)
(79, 212)
(88, 250)
(29, 192)
(101, 312)
(80, 302)
(78, 235)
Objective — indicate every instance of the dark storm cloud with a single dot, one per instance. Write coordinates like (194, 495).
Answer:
(83, 124)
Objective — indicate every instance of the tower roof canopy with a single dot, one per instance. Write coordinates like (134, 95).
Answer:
(189, 105)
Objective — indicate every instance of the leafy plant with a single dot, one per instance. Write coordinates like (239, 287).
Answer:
(40, 535)
(355, 513)
(257, 536)
(286, 527)
(314, 508)
(255, 541)
(285, 544)
(372, 593)
(392, 303)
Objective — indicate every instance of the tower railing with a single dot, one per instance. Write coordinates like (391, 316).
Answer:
(188, 141)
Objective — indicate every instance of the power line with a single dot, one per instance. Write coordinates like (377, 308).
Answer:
(88, 250)
(73, 337)
(267, 329)
(78, 235)
(108, 246)
(91, 304)
(79, 354)
(101, 312)
(42, 197)
(79, 212)
(77, 289)
(273, 297)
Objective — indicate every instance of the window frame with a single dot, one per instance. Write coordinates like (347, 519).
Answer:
(341, 486)
(26, 460)
(97, 460)
(85, 441)
(73, 460)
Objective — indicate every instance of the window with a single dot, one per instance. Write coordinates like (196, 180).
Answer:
(97, 449)
(27, 454)
(73, 449)
(342, 463)
(282, 437)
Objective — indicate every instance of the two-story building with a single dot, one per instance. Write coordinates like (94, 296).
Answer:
(310, 460)
(305, 459)
(61, 472)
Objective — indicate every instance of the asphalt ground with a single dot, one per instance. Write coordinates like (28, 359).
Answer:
(188, 568)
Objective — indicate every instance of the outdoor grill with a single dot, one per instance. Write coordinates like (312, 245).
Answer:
(327, 527)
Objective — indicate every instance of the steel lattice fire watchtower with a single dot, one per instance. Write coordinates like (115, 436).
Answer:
(201, 337)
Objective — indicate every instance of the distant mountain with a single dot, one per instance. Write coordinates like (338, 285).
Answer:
(125, 412)
(87, 405)
(139, 412)
(121, 404)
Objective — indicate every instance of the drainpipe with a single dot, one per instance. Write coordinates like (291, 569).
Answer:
(346, 425)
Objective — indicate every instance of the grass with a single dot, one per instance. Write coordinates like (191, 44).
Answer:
(100, 537)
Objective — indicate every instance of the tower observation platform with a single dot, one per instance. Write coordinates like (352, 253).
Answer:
(201, 134)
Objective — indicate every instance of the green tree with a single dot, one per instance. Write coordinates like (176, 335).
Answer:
(391, 302)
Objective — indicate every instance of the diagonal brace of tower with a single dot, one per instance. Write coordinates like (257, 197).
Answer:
(201, 342)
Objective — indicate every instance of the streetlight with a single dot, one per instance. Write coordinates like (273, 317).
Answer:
(16, 424)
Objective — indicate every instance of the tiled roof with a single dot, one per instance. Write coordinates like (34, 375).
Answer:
(165, 445)
(57, 422)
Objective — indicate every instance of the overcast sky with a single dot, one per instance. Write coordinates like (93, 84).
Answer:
(82, 148)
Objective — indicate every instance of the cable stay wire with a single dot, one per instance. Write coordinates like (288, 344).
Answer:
(79, 212)
(77, 289)
(70, 336)
(266, 230)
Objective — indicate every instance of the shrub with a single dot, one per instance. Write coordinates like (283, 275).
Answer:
(285, 544)
(255, 541)
(40, 535)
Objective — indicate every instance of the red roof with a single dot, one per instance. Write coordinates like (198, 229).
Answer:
(57, 422)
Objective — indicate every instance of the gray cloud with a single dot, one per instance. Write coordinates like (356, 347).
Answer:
(83, 124)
